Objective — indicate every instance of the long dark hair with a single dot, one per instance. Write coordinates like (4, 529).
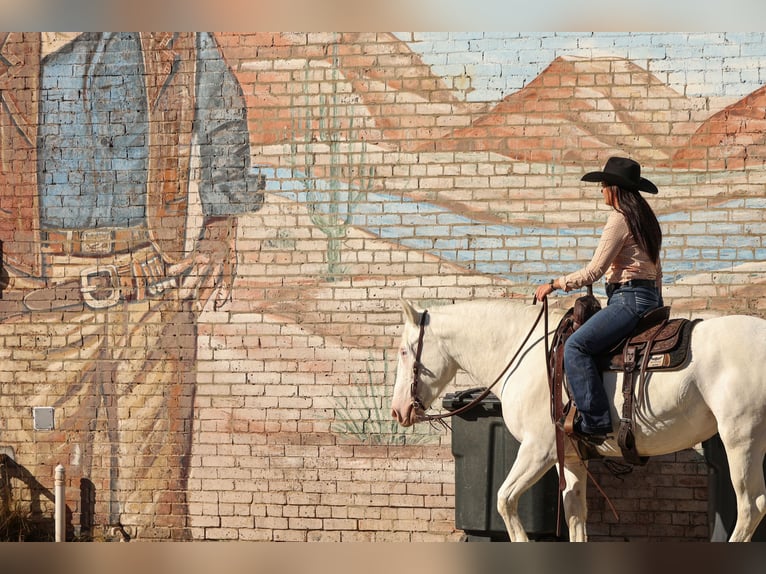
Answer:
(641, 220)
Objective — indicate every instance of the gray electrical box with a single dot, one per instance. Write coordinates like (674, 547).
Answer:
(43, 418)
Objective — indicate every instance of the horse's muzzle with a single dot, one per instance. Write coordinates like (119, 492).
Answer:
(409, 417)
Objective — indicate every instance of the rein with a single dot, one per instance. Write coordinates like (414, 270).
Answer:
(418, 404)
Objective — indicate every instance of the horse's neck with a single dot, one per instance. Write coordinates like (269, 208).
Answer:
(483, 338)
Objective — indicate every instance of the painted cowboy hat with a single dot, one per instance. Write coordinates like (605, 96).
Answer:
(624, 172)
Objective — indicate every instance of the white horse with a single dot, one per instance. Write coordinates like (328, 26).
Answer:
(721, 389)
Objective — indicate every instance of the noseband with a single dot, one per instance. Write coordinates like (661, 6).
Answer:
(418, 405)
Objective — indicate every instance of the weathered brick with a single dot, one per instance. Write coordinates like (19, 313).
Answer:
(291, 435)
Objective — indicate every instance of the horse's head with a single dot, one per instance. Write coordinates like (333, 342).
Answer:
(423, 370)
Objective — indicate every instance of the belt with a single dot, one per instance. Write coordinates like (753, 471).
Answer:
(103, 286)
(612, 287)
(633, 283)
(98, 242)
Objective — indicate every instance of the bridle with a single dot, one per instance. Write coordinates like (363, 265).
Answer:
(417, 404)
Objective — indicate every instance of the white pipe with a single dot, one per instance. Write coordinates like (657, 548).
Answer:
(60, 511)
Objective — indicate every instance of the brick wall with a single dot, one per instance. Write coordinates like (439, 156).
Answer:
(434, 167)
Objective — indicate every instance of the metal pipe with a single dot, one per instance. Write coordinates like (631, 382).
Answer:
(60, 502)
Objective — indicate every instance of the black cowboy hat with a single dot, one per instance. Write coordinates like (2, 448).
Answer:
(624, 172)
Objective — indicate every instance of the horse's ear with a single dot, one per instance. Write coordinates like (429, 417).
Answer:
(411, 314)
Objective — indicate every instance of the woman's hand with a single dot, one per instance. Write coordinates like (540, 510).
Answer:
(544, 290)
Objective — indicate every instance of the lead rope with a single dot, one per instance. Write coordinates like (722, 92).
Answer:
(556, 413)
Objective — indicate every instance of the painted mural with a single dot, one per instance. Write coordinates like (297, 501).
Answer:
(706, 152)
(205, 237)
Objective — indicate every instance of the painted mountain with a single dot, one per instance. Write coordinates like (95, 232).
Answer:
(734, 138)
(578, 110)
(374, 83)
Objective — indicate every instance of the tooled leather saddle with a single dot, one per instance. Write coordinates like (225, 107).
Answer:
(657, 343)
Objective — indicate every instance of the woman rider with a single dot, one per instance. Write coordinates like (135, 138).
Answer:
(628, 254)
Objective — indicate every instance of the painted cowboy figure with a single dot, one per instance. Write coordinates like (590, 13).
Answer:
(124, 163)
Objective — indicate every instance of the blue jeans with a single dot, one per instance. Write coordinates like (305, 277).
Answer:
(600, 333)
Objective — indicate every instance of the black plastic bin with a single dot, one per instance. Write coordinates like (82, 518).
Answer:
(722, 504)
(484, 451)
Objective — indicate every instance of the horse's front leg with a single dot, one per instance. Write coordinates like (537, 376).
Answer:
(575, 500)
(531, 463)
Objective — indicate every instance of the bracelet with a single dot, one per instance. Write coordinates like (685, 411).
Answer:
(551, 284)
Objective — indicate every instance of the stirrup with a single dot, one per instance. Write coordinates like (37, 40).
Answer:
(566, 422)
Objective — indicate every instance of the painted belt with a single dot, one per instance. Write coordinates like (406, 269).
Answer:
(103, 286)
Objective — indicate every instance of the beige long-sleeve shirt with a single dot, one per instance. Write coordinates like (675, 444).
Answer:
(617, 256)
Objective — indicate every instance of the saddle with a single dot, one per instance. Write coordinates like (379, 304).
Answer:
(665, 339)
(657, 343)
